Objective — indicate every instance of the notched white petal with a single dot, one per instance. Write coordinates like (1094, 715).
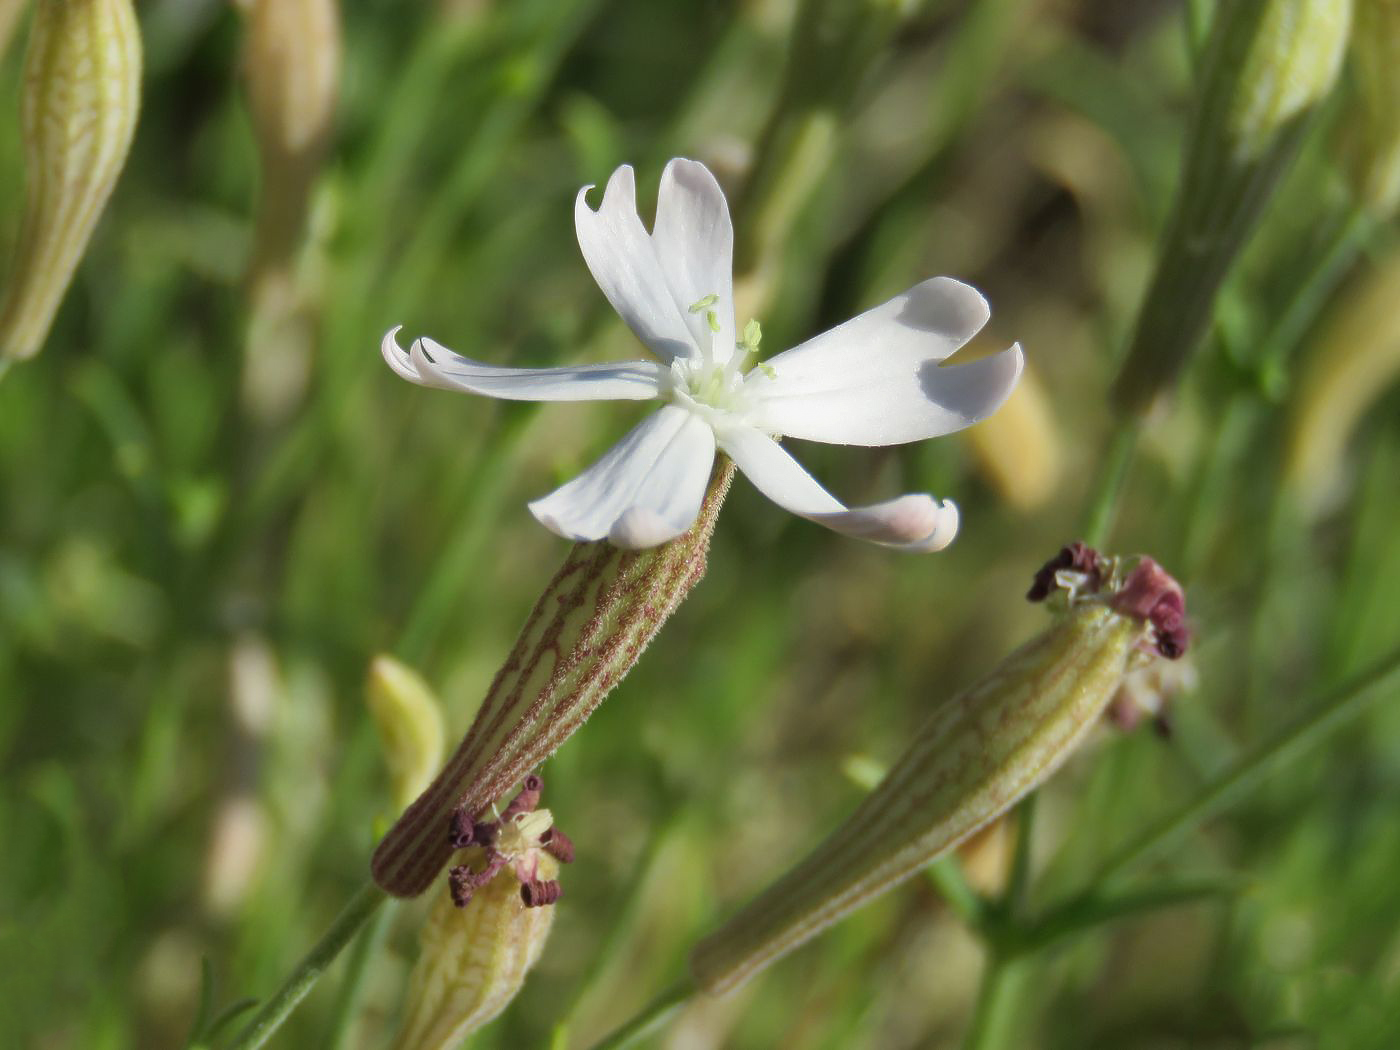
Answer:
(876, 379)
(694, 241)
(623, 260)
(913, 522)
(645, 490)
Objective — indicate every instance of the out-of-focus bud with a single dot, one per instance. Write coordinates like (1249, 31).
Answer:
(408, 718)
(483, 935)
(1291, 66)
(1267, 66)
(1017, 447)
(10, 10)
(1356, 360)
(81, 96)
(1373, 131)
(973, 760)
(292, 68)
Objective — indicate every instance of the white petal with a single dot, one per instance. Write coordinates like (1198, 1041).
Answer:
(914, 522)
(646, 489)
(622, 258)
(875, 379)
(695, 244)
(430, 364)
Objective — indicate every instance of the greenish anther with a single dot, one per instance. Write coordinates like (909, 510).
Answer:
(704, 304)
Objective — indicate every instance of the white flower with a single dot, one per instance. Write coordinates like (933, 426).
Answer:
(874, 380)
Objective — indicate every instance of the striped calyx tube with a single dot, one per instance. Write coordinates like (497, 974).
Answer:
(586, 631)
(976, 756)
(80, 99)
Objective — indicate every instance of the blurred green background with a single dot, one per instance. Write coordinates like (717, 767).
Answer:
(195, 572)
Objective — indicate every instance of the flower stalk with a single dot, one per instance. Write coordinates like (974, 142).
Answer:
(586, 631)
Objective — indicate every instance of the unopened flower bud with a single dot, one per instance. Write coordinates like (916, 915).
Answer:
(973, 760)
(1355, 361)
(1267, 65)
(408, 719)
(1017, 448)
(81, 95)
(474, 958)
(292, 67)
(1291, 66)
(1373, 128)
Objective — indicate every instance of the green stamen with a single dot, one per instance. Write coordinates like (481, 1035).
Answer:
(701, 304)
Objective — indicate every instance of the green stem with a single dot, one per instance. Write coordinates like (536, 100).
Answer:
(947, 877)
(299, 983)
(1113, 475)
(991, 1017)
(1018, 884)
(1328, 715)
(352, 987)
(1306, 300)
(650, 1018)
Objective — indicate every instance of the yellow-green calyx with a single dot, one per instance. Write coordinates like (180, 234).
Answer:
(973, 760)
(81, 95)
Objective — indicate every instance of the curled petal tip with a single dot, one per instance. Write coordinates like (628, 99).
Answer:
(396, 357)
(945, 527)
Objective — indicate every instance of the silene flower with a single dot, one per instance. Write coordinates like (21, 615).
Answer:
(874, 380)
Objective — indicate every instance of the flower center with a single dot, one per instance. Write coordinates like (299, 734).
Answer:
(711, 381)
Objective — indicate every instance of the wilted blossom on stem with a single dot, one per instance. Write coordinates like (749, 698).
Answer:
(978, 754)
(874, 380)
(483, 936)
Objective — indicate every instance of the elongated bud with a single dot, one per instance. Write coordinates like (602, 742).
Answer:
(1291, 66)
(1268, 64)
(1373, 128)
(408, 719)
(292, 68)
(586, 631)
(82, 81)
(1355, 362)
(474, 959)
(971, 762)
(1018, 448)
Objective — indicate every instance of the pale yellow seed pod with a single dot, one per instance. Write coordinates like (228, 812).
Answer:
(1017, 447)
(473, 960)
(1292, 65)
(1355, 361)
(408, 718)
(82, 82)
(1374, 129)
